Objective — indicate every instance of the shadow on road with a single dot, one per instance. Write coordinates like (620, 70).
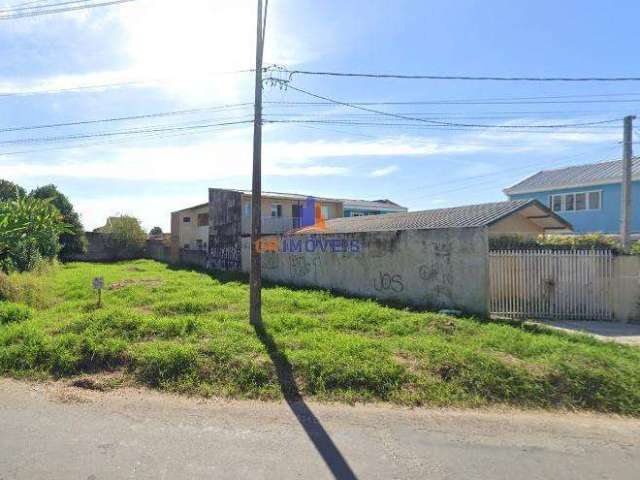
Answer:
(307, 419)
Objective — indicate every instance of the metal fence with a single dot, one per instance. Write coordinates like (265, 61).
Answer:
(548, 284)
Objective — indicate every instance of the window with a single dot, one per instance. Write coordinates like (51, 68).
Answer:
(186, 219)
(203, 219)
(576, 202)
(276, 210)
(569, 202)
(199, 244)
(247, 209)
(186, 246)
(325, 211)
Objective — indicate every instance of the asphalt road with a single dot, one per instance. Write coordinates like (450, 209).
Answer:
(51, 431)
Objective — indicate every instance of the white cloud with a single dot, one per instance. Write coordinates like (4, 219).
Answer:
(181, 48)
(384, 171)
(231, 156)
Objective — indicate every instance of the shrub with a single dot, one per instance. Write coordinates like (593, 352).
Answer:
(29, 231)
(73, 241)
(10, 191)
(14, 312)
(591, 241)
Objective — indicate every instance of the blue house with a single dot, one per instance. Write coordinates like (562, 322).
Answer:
(588, 196)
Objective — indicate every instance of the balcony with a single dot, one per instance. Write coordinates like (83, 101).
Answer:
(273, 225)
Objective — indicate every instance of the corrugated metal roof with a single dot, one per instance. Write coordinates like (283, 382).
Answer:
(457, 217)
(592, 174)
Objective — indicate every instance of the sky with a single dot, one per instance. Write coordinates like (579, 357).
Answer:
(151, 57)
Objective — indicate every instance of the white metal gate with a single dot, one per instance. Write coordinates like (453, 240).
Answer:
(548, 284)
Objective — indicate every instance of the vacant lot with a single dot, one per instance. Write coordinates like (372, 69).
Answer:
(188, 331)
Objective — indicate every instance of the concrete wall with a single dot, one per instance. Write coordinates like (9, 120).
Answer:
(194, 258)
(445, 268)
(626, 289)
(158, 250)
(98, 250)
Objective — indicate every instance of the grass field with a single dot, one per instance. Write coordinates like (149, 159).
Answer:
(188, 331)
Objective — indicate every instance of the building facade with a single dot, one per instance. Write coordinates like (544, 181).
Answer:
(217, 226)
(587, 196)
(190, 227)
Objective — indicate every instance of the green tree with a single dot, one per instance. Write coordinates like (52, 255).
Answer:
(126, 239)
(155, 231)
(10, 191)
(29, 232)
(74, 241)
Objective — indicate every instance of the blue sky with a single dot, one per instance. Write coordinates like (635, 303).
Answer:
(174, 50)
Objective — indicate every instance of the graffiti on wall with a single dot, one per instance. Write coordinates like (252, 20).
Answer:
(438, 274)
(224, 258)
(385, 282)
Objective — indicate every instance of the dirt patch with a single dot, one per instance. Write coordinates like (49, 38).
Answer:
(408, 361)
(88, 384)
(507, 358)
(100, 382)
(147, 282)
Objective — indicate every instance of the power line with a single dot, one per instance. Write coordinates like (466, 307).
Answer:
(116, 141)
(468, 102)
(522, 167)
(44, 11)
(116, 133)
(435, 122)
(99, 86)
(492, 181)
(502, 129)
(31, 7)
(127, 118)
(292, 73)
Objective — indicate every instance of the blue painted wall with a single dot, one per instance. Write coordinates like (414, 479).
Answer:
(605, 220)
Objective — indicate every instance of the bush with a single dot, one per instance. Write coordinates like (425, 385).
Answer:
(29, 232)
(14, 312)
(10, 191)
(73, 241)
(30, 288)
(591, 241)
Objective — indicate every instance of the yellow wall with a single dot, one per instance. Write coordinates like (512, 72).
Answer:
(189, 233)
(516, 225)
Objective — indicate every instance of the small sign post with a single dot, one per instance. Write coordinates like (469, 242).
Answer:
(98, 284)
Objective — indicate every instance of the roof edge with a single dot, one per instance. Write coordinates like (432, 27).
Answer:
(538, 203)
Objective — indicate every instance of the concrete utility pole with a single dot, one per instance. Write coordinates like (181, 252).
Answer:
(625, 217)
(255, 282)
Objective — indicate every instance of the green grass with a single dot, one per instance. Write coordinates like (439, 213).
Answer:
(188, 331)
